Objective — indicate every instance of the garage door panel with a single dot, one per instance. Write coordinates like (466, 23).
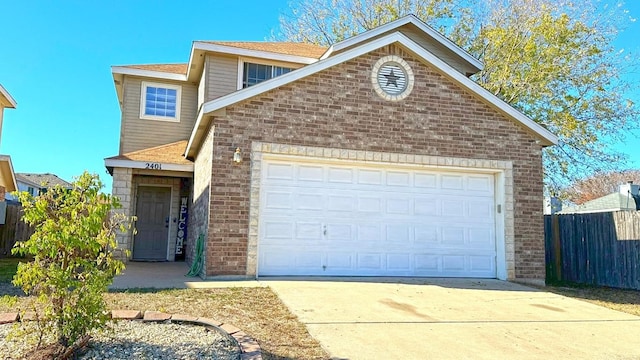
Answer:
(425, 235)
(370, 177)
(308, 260)
(482, 238)
(398, 179)
(339, 232)
(279, 171)
(341, 203)
(369, 261)
(453, 263)
(318, 219)
(397, 234)
(427, 264)
(274, 229)
(426, 206)
(426, 181)
(278, 200)
(309, 231)
(369, 204)
(481, 264)
(399, 262)
(452, 182)
(340, 262)
(340, 175)
(369, 233)
(480, 184)
(398, 206)
(310, 173)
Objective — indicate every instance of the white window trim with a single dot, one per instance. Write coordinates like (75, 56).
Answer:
(143, 92)
(242, 60)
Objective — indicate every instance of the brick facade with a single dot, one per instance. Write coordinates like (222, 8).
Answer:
(338, 109)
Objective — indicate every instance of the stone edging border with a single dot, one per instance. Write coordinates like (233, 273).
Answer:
(249, 348)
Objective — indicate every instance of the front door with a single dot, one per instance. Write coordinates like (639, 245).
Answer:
(152, 225)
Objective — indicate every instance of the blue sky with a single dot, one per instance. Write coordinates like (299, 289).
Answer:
(55, 60)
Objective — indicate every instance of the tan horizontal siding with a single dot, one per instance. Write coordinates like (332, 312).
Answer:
(137, 134)
(222, 76)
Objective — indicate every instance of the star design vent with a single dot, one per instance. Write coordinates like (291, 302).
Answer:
(392, 78)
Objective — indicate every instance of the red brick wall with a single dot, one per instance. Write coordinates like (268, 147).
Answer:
(338, 108)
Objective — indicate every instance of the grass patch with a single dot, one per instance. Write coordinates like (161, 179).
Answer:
(257, 311)
(617, 299)
(8, 268)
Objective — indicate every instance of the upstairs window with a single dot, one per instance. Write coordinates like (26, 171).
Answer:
(160, 102)
(256, 73)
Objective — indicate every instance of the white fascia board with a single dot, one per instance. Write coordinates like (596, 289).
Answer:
(327, 53)
(253, 53)
(147, 73)
(12, 102)
(409, 19)
(187, 152)
(398, 37)
(131, 164)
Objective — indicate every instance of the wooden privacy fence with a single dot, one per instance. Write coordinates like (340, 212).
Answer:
(597, 249)
(13, 230)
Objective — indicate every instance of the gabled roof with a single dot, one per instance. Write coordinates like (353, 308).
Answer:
(286, 48)
(473, 65)
(168, 157)
(612, 202)
(6, 100)
(39, 180)
(545, 136)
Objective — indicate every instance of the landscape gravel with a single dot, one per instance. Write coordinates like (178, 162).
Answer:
(140, 340)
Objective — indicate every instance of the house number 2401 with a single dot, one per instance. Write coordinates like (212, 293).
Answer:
(153, 166)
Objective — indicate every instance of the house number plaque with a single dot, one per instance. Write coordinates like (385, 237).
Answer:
(153, 166)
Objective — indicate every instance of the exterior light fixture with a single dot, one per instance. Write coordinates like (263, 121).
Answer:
(237, 156)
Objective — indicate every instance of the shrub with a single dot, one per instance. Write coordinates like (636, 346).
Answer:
(73, 262)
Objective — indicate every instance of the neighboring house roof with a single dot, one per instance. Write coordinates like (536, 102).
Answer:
(545, 137)
(40, 180)
(7, 176)
(168, 157)
(287, 48)
(6, 100)
(611, 202)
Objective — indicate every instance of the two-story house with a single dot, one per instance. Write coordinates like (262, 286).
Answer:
(375, 156)
(7, 176)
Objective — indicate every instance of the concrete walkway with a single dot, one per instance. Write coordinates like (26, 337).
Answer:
(169, 275)
(455, 319)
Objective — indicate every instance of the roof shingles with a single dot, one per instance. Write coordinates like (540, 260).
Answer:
(287, 48)
(169, 153)
(48, 180)
(166, 68)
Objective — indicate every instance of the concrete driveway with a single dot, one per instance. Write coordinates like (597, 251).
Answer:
(455, 319)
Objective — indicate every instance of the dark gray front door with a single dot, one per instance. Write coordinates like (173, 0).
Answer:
(152, 210)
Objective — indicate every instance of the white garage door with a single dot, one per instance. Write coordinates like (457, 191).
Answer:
(327, 219)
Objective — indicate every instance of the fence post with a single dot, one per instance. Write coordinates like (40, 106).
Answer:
(557, 243)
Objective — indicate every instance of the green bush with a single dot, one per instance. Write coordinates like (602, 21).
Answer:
(73, 262)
